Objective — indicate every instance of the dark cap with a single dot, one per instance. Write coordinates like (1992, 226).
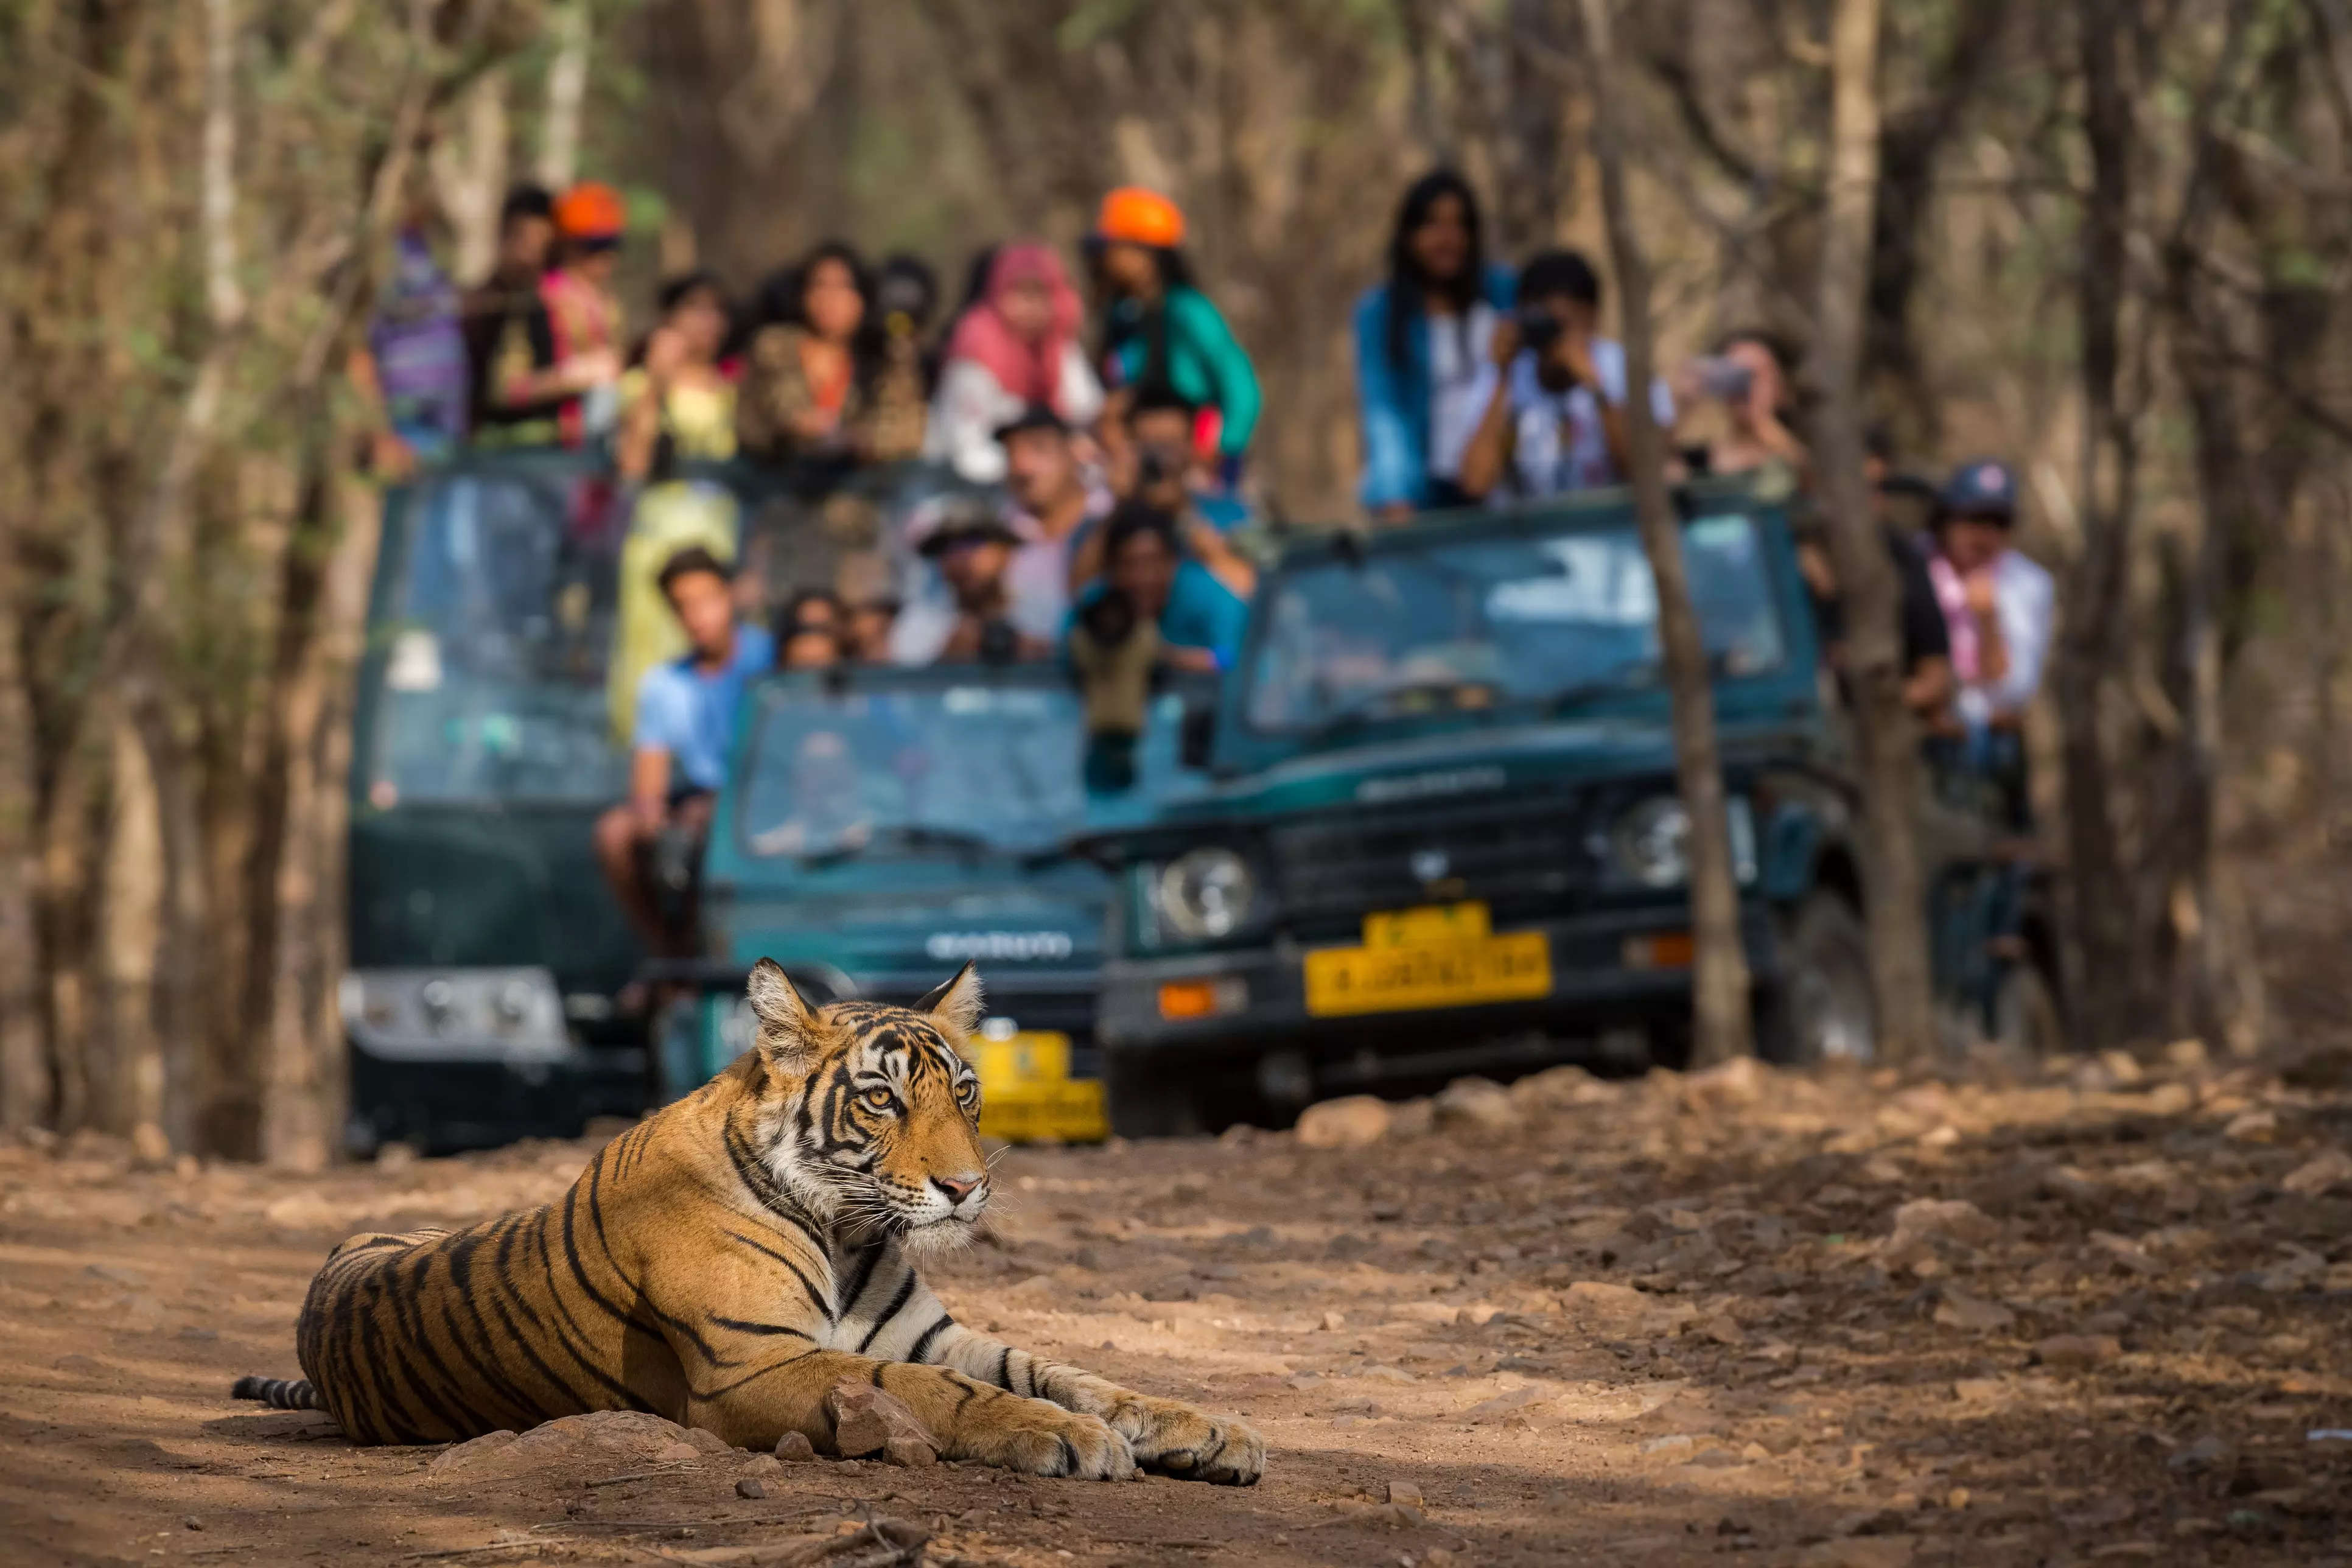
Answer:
(1035, 416)
(1983, 488)
(961, 523)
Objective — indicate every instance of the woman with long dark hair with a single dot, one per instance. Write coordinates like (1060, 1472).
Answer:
(1421, 342)
(1161, 332)
(824, 377)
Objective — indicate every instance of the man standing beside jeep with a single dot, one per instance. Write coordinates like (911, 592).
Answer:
(1555, 394)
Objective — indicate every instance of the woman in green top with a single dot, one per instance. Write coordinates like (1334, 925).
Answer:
(1162, 331)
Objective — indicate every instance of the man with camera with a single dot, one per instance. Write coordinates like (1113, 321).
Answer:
(1159, 465)
(968, 612)
(1555, 394)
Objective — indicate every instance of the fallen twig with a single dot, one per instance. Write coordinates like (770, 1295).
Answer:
(637, 1475)
(469, 1551)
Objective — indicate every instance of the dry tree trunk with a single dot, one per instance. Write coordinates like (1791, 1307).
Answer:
(1873, 653)
(24, 1081)
(567, 93)
(2105, 928)
(1723, 1027)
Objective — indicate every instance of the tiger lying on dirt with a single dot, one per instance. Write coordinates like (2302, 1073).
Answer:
(726, 1262)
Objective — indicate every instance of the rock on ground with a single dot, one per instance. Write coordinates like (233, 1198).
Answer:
(1346, 1123)
(868, 1422)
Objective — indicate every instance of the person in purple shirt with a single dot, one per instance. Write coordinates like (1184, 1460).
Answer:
(414, 368)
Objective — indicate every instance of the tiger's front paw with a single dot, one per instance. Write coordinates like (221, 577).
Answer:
(1174, 1439)
(1039, 1439)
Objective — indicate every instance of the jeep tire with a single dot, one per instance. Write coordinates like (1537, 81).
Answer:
(1821, 1010)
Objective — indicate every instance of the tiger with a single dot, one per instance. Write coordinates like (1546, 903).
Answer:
(729, 1259)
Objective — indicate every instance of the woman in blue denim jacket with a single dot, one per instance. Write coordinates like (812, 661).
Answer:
(1422, 340)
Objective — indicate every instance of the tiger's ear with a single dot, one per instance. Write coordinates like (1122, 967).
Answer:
(787, 1024)
(957, 1002)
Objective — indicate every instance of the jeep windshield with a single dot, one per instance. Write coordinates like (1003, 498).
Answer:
(495, 632)
(985, 764)
(1516, 620)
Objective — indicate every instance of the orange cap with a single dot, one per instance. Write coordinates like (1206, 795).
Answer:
(1133, 215)
(589, 211)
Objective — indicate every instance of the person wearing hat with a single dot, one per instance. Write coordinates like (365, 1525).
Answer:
(1999, 607)
(966, 610)
(555, 375)
(1922, 638)
(1016, 345)
(1057, 502)
(1161, 330)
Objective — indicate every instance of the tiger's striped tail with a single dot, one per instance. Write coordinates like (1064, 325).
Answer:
(280, 1393)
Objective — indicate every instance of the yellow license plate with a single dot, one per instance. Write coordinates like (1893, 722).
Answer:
(1441, 956)
(1027, 1095)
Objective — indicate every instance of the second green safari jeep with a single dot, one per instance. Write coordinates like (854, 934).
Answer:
(1444, 835)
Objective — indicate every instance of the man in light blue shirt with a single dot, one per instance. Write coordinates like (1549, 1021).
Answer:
(685, 735)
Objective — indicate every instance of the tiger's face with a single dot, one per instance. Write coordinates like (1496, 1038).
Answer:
(873, 1118)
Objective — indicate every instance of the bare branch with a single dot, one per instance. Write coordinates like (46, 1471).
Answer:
(222, 294)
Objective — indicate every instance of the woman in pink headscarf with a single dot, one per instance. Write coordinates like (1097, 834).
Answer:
(1017, 345)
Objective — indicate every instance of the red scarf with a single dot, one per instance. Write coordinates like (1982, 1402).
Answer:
(1029, 370)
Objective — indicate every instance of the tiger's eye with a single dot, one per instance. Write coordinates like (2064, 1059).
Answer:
(877, 1098)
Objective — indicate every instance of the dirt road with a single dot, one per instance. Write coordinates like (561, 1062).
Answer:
(1746, 1317)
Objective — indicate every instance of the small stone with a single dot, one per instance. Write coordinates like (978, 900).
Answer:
(2251, 1127)
(675, 1454)
(2207, 1453)
(762, 1465)
(1334, 1321)
(2122, 1067)
(1954, 1219)
(1476, 1104)
(1871, 1521)
(2076, 1352)
(1958, 1309)
(868, 1423)
(191, 1522)
(1723, 1329)
(1404, 1492)
(1349, 1123)
(1740, 1081)
(794, 1448)
(201, 1334)
(751, 1487)
(707, 1442)
(2322, 1175)
(1675, 1445)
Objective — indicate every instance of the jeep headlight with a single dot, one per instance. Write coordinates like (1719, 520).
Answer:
(454, 1012)
(1205, 894)
(1651, 842)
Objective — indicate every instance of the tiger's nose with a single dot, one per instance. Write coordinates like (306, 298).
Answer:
(957, 1188)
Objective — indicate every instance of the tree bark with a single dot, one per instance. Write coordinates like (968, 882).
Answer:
(24, 1081)
(1723, 1027)
(567, 95)
(1866, 583)
(2108, 994)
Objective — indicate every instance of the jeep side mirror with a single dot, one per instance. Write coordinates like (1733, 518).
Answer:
(1196, 737)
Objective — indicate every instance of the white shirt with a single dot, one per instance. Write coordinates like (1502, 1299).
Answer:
(2025, 599)
(1558, 442)
(970, 405)
(1460, 369)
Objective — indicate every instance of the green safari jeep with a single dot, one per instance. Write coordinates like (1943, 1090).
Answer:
(1444, 834)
